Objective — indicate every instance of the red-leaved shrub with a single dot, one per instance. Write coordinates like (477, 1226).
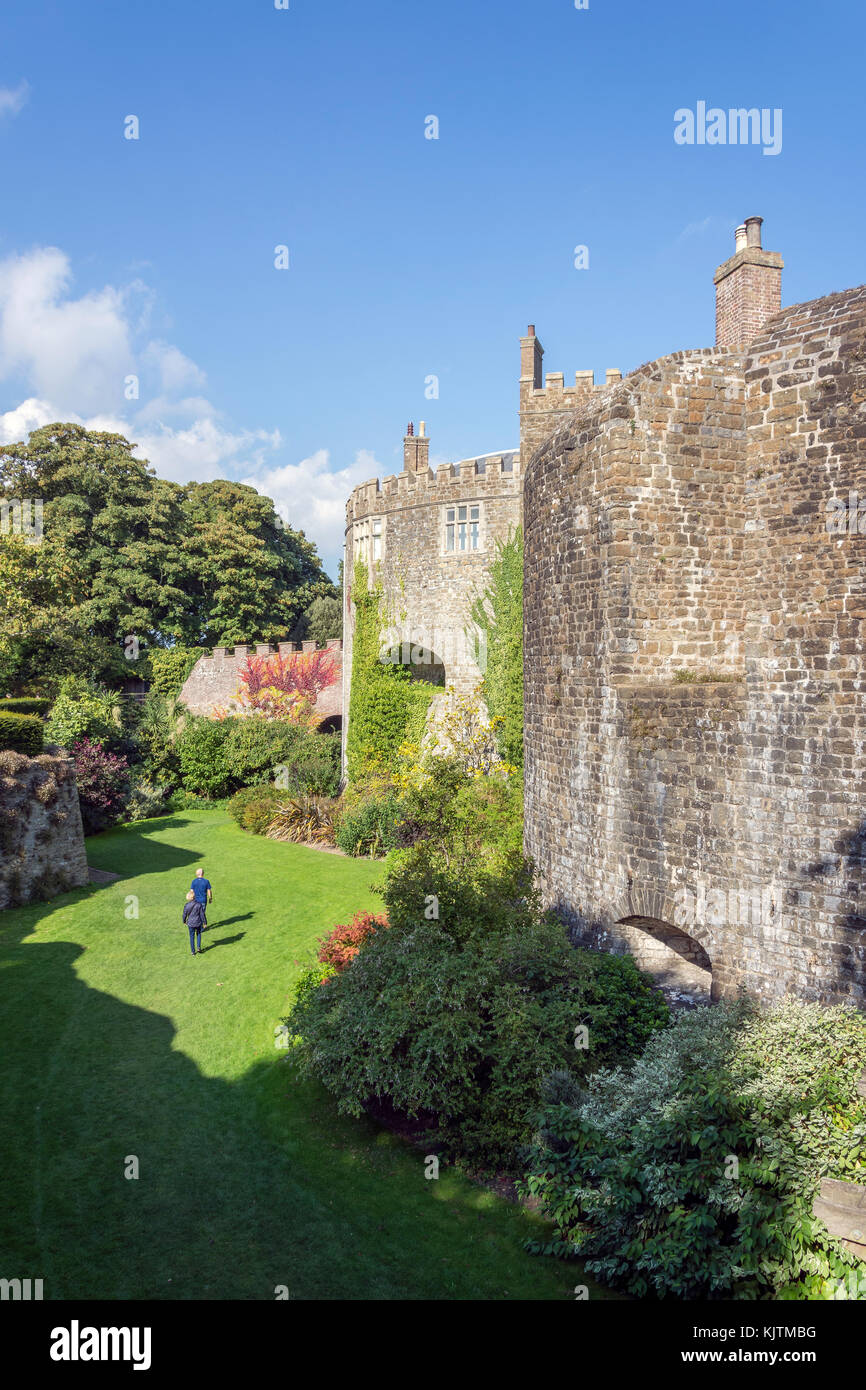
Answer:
(340, 947)
(103, 784)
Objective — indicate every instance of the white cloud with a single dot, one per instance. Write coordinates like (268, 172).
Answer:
(311, 496)
(204, 450)
(176, 370)
(694, 229)
(31, 414)
(13, 98)
(73, 355)
(72, 352)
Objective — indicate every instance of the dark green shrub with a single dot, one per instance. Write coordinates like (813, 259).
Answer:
(694, 1175)
(253, 808)
(371, 827)
(463, 1018)
(300, 760)
(25, 705)
(25, 733)
(201, 754)
(313, 768)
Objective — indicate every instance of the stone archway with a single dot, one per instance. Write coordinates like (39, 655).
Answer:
(678, 963)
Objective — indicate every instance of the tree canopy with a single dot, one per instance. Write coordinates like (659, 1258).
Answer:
(127, 554)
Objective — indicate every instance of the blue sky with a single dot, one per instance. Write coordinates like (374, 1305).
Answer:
(409, 257)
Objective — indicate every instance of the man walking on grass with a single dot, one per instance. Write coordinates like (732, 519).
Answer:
(202, 895)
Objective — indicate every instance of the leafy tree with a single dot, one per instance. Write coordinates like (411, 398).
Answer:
(250, 577)
(325, 619)
(127, 554)
(498, 612)
(83, 709)
(116, 525)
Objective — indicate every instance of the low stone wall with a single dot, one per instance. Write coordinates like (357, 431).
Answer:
(214, 679)
(42, 849)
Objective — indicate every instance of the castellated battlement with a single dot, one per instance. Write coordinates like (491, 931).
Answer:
(427, 539)
(483, 476)
(222, 656)
(543, 406)
(214, 679)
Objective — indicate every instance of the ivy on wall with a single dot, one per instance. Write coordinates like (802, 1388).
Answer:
(498, 614)
(386, 706)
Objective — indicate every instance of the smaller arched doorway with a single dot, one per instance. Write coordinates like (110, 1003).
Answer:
(679, 964)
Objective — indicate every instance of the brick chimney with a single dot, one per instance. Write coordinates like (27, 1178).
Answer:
(416, 449)
(531, 354)
(748, 287)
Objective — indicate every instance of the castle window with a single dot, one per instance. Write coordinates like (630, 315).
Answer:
(368, 539)
(462, 528)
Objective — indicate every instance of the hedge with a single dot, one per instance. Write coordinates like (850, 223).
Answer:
(25, 733)
(25, 705)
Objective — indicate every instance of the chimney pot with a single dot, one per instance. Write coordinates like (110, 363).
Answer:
(422, 428)
(410, 430)
(748, 288)
(753, 231)
(530, 332)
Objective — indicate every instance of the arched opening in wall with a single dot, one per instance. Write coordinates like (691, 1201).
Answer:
(332, 725)
(432, 671)
(422, 663)
(678, 963)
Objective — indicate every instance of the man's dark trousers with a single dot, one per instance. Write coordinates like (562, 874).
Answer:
(195, 932)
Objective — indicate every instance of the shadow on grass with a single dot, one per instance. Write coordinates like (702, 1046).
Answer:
(225, 940)
(223, 1206)
(132, 849)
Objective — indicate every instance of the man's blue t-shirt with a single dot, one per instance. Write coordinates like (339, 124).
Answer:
(200, 886)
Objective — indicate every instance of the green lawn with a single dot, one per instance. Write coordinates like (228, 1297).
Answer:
(118, 1042)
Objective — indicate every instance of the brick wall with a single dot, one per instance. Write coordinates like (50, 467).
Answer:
(214, 679)
(678, 521)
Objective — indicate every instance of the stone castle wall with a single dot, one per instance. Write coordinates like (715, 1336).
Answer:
(678, 521)
(214, 679)
(42, 850)
(427, 592)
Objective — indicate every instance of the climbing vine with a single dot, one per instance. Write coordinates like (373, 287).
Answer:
(386, 704)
